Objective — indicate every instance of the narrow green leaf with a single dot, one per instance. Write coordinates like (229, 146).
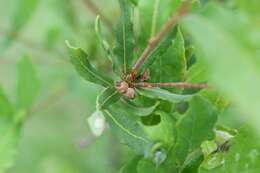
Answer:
(10, 132)
(8, 145)
(80, 61)
(158, 93)
(28, 83)
(104, 43)
(193, 128)
(159, 50)
(22, 14)
(138, 110)
(5, 106)
(108, 97)
(51, 37)
(128, 130)
(124, 46)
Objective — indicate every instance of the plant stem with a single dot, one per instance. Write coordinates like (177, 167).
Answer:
(154, 41)
(28, 43)
(95, 10)
(170, 85)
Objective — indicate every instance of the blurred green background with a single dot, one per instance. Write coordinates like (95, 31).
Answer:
(56, 137)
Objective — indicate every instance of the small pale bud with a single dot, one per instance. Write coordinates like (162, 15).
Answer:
(122, 87)
(130, 93)
(146, 75)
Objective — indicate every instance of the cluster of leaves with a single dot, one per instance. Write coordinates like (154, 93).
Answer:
(12, 116)
(174, 130)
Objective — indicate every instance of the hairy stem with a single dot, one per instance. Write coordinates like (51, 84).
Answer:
(170, 85)
(154, 41)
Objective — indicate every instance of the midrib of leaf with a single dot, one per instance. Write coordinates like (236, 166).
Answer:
(124, 129)
(124, 45)
(114, 93)
(95, 75)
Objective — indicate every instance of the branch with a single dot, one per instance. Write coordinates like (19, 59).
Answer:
(153, 42)
(170, 85)
(49, 101)
(28, 43)
(96, 11)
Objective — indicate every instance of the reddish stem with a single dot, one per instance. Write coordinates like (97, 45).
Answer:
(170, 85)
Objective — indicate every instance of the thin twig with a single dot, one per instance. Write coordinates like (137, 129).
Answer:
(27, 43)
(153, 42)
(49, 101)
(96, 11)
(170, 85)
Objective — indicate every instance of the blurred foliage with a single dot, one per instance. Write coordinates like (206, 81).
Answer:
(44, 104)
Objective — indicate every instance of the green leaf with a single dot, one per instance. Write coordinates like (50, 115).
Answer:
(81, 63)
(52, 37)
(139, 110)
(251, 6)
(163, 132)
(124, 45)
(131, 167)
(243, 155)
(10, 128)
(178, 60)
(135, 2)
(5, 106)
(108, 97)
(208, 147)
(104, 43)
(28, 84)
(171, 67)
(193, 128)
(158, 93)
(159, 50)
(128, 130)
(236, 50)
(66, 11)
(22, 14)
(8, 145)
